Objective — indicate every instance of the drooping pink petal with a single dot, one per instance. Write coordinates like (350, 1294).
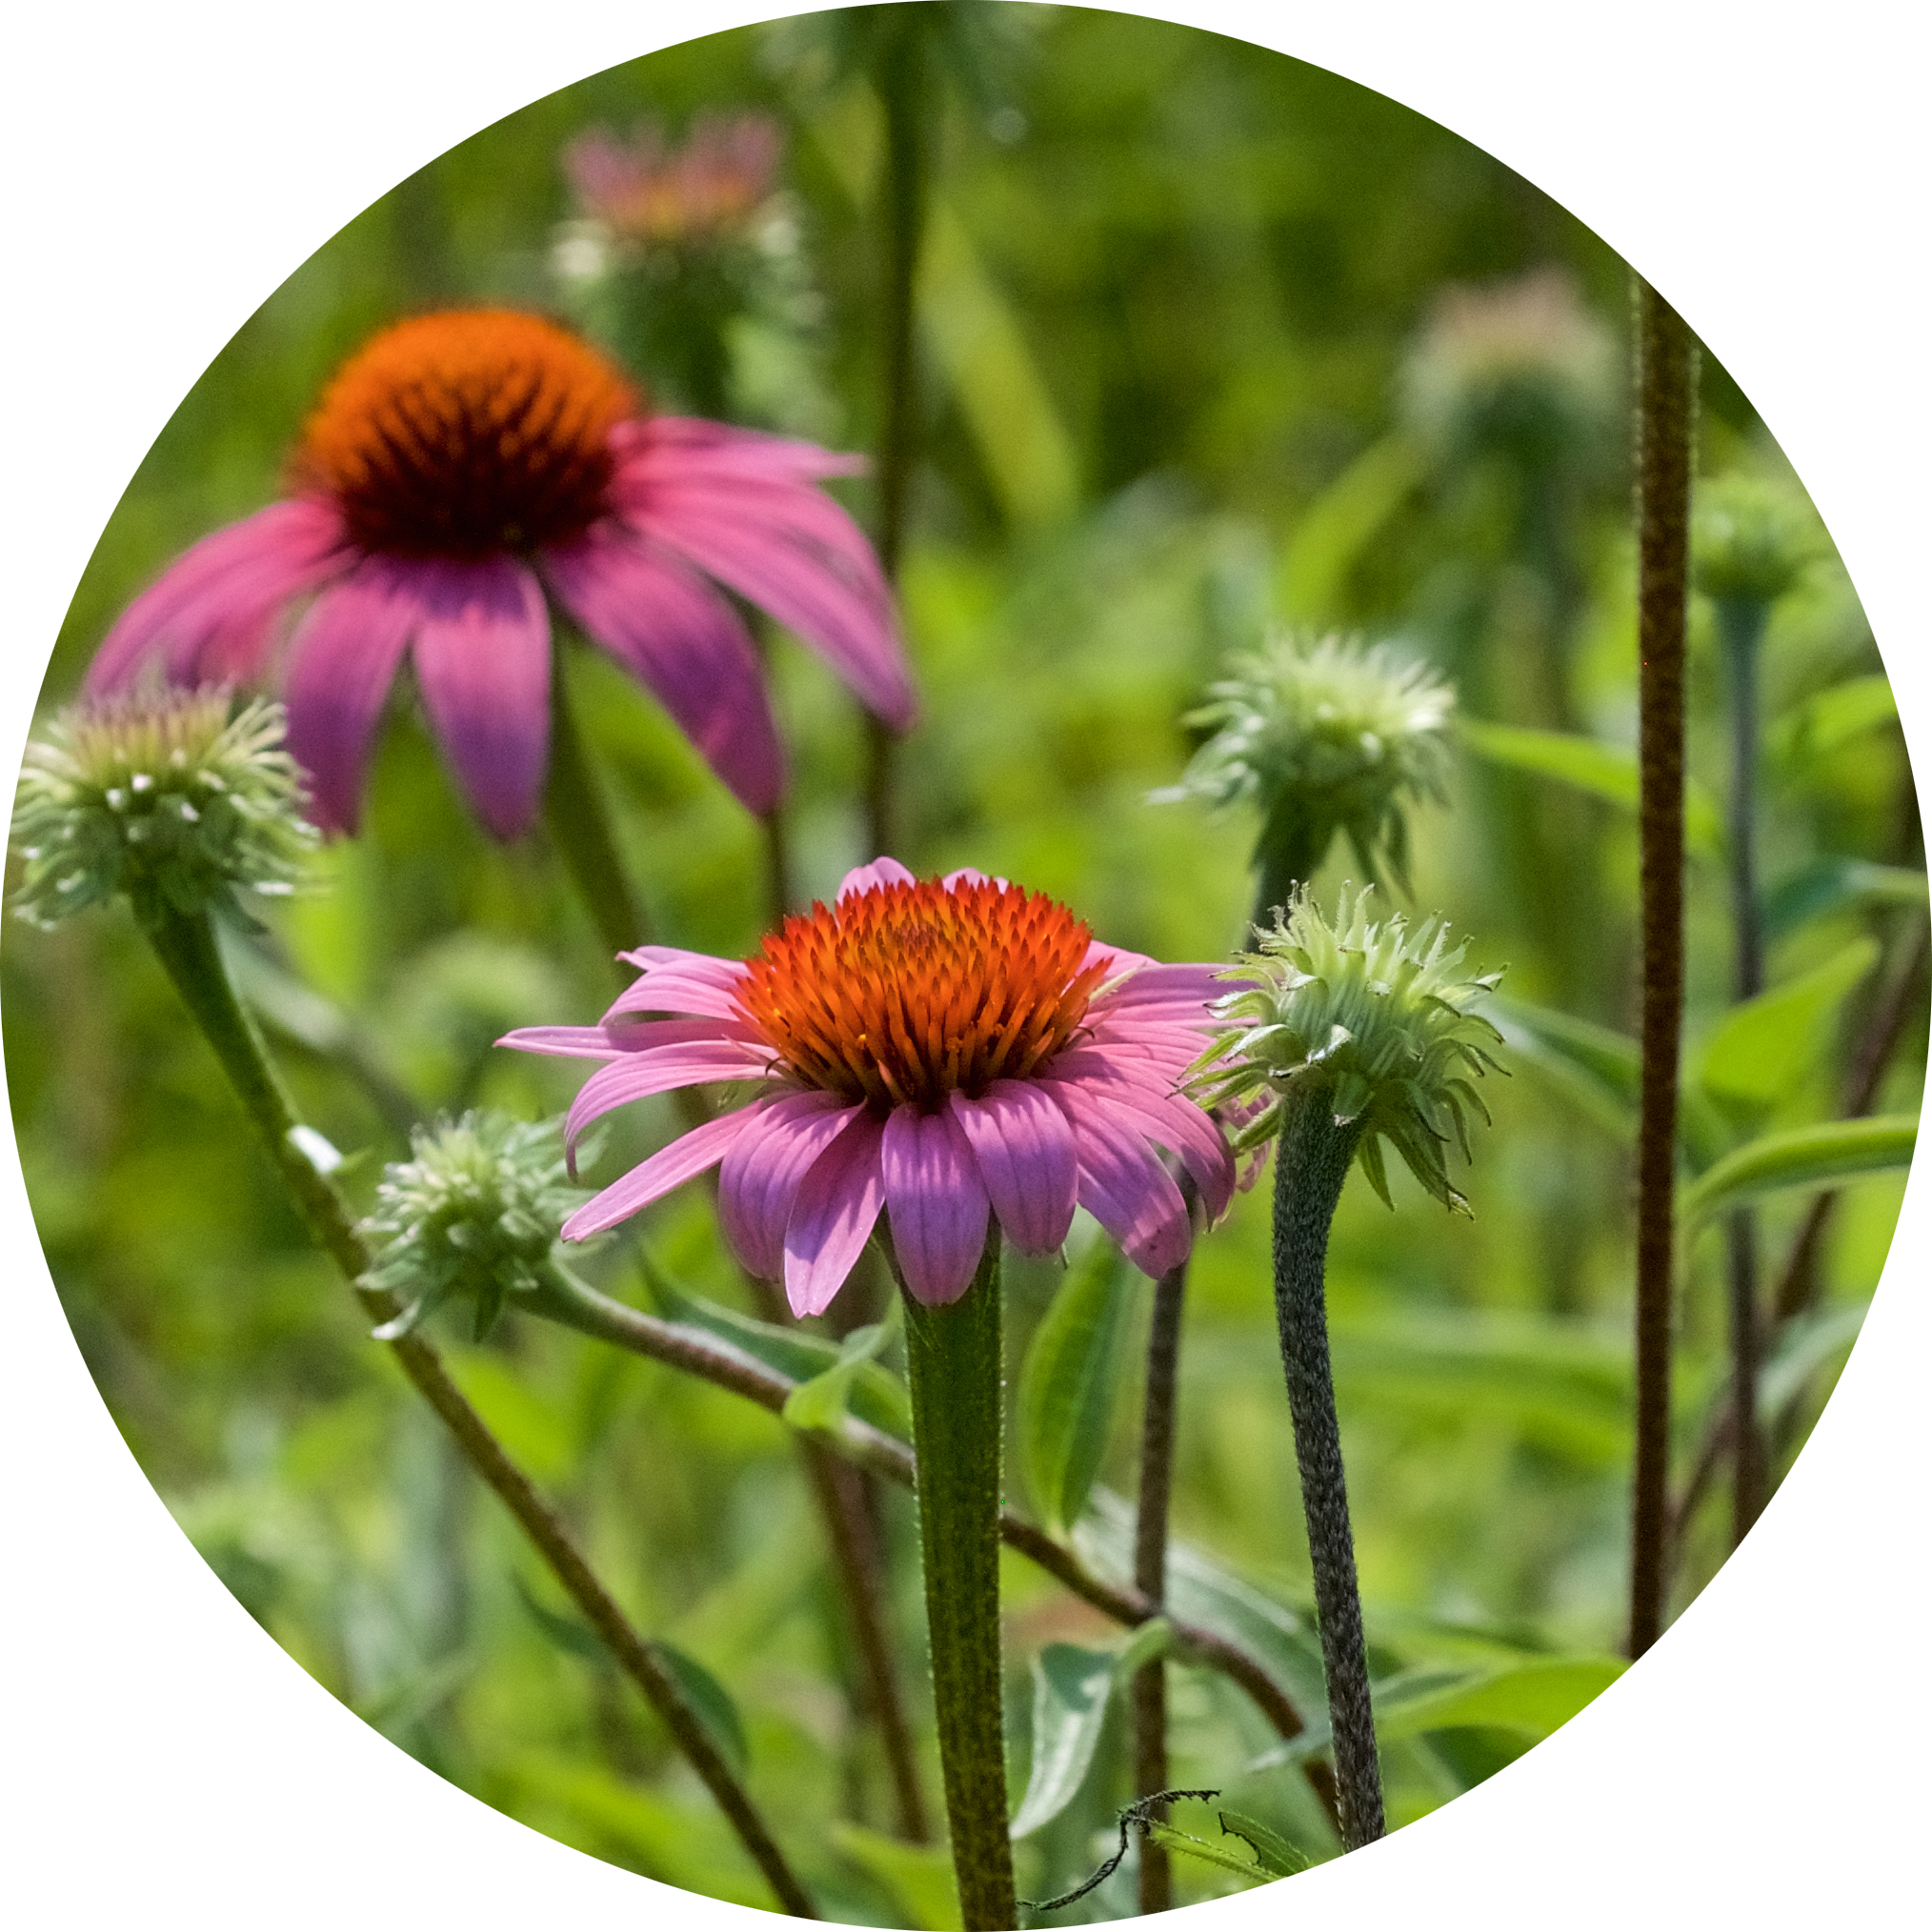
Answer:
(1125, 1188)
(658, 1070)
(1187, 985)
(668, 1167)
(210, 614)
(573, 1042)
(1027, 1159)
(882, 871)
(936, 1202)
(703, 986)
(653, 446)
(812, 571)
(626, 1037)
(833, 1216)
(1145, 1108)
(761, 1174)
(669, 629)
(341, 665)
(482, 660)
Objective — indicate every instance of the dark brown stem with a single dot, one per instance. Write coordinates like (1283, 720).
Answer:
(187, 949)
(1150, 1559)
(1665, 416)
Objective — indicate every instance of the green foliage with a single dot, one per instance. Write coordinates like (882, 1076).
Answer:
(1070, 1691)
(1763, 1046)
(1815, 1157)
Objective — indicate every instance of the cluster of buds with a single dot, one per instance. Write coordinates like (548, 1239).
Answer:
(1519, 369)
(474, 1214)
(1323, 734)
(1751, 539)
(161, 796)
(1367, 1020)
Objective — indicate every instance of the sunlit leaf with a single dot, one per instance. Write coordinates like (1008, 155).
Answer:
(1070, 1383)
(1188, 1846)
(1534, 1699)
(1272, 1852)
(1832, 717)
(1070, 1689)
(1822, 1155)
(822, 1403)
(1803, 1348)
(1764, 1046)
(1604, 770)
(1339, 525)
(919, 1878)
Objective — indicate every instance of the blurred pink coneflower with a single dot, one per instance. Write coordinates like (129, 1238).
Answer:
(647, 192)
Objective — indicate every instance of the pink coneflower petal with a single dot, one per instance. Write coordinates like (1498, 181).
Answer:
(342, 663)
(482, 662)
(658, 448)
(1027, 1159)
(1149, 1110)
(694, 984)
(936, 1203)
(1183, 990)
(1125, 1188)
(670, 1167)
(880, 872)
(659, 1070)
(833, 1216)
(210, 614)
(626, 1037)
(759, 1181)
(684, 643)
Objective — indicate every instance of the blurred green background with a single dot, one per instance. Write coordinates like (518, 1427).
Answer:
(1185, 366)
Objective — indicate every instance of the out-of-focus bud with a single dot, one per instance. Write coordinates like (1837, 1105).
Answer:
(1751, 539)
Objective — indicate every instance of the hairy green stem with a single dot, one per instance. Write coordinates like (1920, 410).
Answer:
(1666, 397)
(952, 1369)
(1311, 1162)
(188, 949)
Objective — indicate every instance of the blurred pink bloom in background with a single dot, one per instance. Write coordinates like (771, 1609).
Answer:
(647, 192)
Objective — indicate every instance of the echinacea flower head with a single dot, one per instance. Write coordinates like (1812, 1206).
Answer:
(1751, 539)
(1519, 369)
(648, 193)
(1323, 734)
(473, 1214)
(951, 1052)
(462, 473)
(1368, 1019)
(161, 796)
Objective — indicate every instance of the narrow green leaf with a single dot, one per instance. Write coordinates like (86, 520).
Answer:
(1190, 1847)
(1070, 1689)
(1607, 772)
(568, 1633)
(1534, 1699)
(1339, 525)
(714, 1706)
(1829, 886)
(1832, 717)
(1272, 1852)
(1764, 1046)
(1805, 1347)
(1152, 1640)
(1069, 1384)
(919, 1878)
(1822, 1156)
(821, 1403)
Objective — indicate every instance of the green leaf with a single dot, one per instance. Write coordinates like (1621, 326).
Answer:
(1152, 1640)
(1272, 1852)
(821, 1403)
(1070, 1690)
(1803, 1348)
(1190, 1847)
(1764, 1046)
(1069, 1384)
(919, 1878)
(1829, 886)
(713, 1705)
(1607, 772)
(1534, 1699)
(1341, 524)
(568, 1633)
(1833, 718)
(1816, 1156)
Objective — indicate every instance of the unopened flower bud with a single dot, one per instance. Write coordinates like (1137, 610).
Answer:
(474, 1214)
(159, 795)
(1369, 1020)
(1751, 539)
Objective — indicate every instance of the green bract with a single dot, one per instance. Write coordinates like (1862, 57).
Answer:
(1751, 539)
(1371, 1019)
(159, 795)
(475, 1213)
(1325, 735)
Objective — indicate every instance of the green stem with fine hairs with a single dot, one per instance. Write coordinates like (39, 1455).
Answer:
(1666, 402)
(188, 949)
(953, 1367)
(1311, 1164)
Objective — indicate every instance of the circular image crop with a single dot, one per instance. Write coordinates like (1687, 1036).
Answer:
(921, 998)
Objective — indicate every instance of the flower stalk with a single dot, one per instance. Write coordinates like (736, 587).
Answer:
(953, 1367)
(579, 822)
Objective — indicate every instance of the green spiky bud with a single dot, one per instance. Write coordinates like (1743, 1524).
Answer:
(1323, 734)
(1370, 1019)
(164, 797)
(1751, 539)
(1518, 368)
(475, 1214)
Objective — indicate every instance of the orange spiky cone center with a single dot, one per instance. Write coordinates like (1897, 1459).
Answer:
(467, 435)
(904, 993)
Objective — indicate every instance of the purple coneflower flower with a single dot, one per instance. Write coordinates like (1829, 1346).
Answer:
(459, 467)
(943, 1050)
(648, 193)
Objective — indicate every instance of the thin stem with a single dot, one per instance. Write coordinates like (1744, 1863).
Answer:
(563, 1298)
(899, 74)
(952, 1369)
(188, 949)
(781, 893)
(1666, 398)
(1740, 624)
(1311, 1162)
(574, 809)
(1150, 1558)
